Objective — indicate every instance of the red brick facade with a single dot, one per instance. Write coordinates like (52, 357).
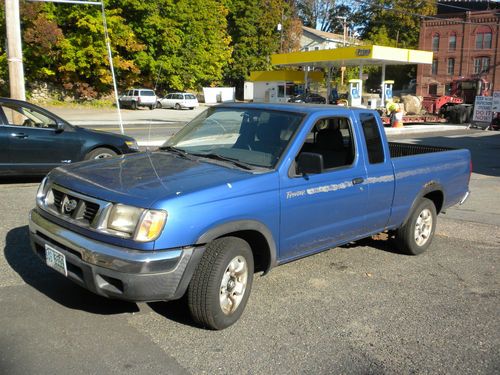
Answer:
(475, 52)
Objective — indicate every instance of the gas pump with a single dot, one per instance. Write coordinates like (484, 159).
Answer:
(355, 90)
(387, 87)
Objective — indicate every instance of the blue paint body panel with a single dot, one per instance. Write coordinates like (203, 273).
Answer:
(303, 214)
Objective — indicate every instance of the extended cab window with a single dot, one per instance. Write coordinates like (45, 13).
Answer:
(372, 138)
(332, 139)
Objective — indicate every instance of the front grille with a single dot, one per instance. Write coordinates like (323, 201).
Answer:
(75, 207)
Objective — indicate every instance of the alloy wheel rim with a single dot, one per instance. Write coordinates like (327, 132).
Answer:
(423, 227)
(233, 285)
(103, 156)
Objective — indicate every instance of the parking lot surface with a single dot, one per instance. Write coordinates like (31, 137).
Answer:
(357, 309)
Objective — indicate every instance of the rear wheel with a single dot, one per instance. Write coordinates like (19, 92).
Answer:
(100, 153)
(221, 284)
(415, 236)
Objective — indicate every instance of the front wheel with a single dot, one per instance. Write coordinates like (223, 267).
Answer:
(415, 236)
(177, 106)
(133, 105)
(221, 284)
(100, 153)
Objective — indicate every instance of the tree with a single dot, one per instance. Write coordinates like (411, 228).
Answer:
(393, 22)
(315, 13)
(252, 25)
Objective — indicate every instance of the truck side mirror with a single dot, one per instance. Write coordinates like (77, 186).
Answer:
(310, 163)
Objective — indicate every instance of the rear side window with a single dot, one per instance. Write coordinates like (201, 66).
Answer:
(190, 96)
(372, 138)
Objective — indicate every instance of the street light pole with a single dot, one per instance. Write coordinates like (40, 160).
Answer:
(14, 50)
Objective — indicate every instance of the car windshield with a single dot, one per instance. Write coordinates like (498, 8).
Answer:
(256, 137)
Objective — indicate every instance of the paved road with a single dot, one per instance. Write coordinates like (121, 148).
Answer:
(356, 309)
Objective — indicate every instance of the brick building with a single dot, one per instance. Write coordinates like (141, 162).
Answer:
(464, 44)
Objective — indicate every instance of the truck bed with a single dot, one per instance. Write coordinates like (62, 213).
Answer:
(406, 149)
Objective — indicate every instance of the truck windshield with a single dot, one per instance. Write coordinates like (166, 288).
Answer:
(252, 136)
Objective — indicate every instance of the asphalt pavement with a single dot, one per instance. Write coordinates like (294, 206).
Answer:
(356, 309)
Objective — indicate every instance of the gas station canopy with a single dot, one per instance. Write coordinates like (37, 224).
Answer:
(353, 56)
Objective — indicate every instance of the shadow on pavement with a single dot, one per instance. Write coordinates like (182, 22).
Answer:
(176, 311)
(21, 259)
(380, 241)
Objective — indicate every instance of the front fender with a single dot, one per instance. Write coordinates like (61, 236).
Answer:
(242, 225)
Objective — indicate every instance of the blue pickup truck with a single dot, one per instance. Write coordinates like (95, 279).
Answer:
(239, 190)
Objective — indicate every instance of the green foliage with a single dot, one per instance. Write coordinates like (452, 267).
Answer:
(252, 25)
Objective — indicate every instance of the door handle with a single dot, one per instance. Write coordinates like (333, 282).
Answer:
(358, 180)
(19, 135)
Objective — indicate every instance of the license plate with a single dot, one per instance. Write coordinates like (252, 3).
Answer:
(56, 260)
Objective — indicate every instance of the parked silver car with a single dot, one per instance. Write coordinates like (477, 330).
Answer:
(178, 100)
(136, 98)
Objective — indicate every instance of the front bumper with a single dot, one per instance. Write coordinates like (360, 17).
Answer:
(115, 272)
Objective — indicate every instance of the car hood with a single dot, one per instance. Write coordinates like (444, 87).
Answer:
(144, 178)
(117, 137)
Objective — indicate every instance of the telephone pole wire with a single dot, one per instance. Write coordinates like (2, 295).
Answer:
(14, 50)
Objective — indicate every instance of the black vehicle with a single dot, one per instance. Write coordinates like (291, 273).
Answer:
(308, 98)
(33, 140)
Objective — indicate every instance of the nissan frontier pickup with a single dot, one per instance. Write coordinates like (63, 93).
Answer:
(239, 190)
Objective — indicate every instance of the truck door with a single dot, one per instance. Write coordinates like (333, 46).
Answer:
(319, 210)
(380, 173)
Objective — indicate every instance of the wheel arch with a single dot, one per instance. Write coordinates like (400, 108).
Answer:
(432, 191)
(258, 236)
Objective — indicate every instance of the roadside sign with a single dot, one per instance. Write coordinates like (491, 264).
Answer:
(496, 101)
(483, 109)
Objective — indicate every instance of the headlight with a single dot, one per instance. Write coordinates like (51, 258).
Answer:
(132, 145)
(143, 225)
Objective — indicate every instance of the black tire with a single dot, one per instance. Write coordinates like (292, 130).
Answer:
(100, 153)
(416, 235)
(191, 108)
(206, 287)
(158, 105)
(133, 105)
(177, 106)
(152, 106)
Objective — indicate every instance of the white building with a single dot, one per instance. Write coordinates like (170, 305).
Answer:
(313, 40)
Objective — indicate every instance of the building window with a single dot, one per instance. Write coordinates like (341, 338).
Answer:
(451, 66)
(452, 42)
(483, 38)
(434, 67)
(433, 89)
(485, 65)
(481, 65)
(316, 48)
(435, 42)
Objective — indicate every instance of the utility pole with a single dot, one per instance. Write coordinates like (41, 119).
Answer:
(14, 50)
(342, 68)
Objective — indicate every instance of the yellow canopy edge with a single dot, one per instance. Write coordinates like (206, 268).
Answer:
(295, 76)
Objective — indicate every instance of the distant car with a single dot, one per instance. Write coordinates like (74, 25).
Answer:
(178, 100)
(136, 98)
(33, 140)
(307, 98)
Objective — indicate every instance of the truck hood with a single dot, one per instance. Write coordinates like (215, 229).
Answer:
(144, 178)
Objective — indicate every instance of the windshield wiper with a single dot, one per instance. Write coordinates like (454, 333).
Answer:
(235, 162)
(175, 151)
